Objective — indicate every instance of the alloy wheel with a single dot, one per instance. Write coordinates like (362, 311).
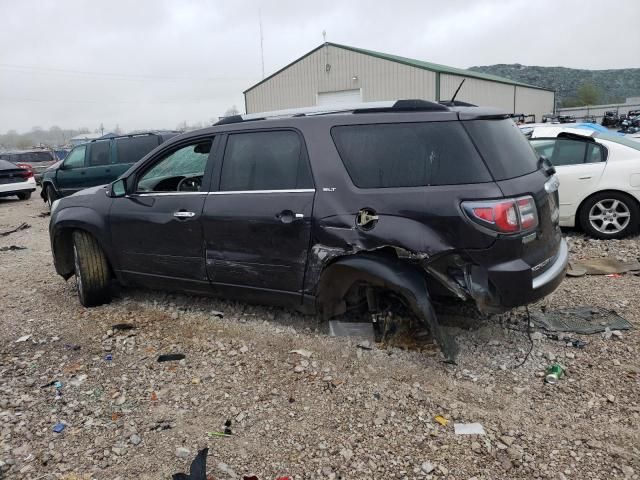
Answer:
(609, 216)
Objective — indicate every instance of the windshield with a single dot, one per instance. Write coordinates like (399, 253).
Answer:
(627, 142)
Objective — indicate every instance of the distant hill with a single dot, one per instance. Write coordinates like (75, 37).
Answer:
(612, 86)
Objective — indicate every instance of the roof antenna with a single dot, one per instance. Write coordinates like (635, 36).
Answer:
(453, 99)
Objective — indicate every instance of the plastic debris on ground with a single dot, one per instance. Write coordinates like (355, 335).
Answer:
(22, 226)
(468, 429)
(600, 266)
(171, 357)
(554, 373)
(352, 329)
(122, 326)
(215, 313)
(302, 352)
(108, 357)
(584, 320)
(198, 469)
(12, 248)
(59, 427)
(23, 338)
(441, 420)
(70, 346)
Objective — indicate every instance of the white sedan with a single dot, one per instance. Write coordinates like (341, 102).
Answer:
(599, 178)
(16, 180)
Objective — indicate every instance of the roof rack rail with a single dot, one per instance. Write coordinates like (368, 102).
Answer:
(356, 108)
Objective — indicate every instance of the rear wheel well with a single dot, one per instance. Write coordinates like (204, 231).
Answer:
(584, 202)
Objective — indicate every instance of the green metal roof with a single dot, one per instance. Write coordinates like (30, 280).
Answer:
(434, 67)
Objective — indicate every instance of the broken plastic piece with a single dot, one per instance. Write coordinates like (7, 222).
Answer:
(108, 357)
(23, 338)
(468, 429)
(70, 346)
(12, 248)
(198, 469)
(441, 420)
(170, 357)
(218, 434)
(123, 326)
(59, 427)
(302, 352)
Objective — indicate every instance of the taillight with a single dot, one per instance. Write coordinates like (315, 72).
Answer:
(28, 169)
(513, 215)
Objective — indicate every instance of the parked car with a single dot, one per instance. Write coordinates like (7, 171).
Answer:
(97, 163)
(611, 119)
(16, 180)
(599, 178)
(38, 159)
(407, 199)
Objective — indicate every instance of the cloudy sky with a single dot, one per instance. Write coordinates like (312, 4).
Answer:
(156, 63)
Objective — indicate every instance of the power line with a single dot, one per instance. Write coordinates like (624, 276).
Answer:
(96, 102)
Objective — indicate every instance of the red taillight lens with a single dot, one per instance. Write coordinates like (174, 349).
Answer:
(504, 216)
(28, 169)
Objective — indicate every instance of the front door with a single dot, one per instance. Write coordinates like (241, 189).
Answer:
(156, 229)
(257, 224)
(69, 176)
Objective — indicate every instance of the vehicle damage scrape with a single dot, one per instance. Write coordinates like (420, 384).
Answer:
(341, 269)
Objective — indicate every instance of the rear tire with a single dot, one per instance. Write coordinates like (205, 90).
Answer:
(51, 195)
(610, 215)
(91, 269)
(24, 195)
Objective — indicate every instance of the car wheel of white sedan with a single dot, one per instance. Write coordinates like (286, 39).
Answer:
(610, 215)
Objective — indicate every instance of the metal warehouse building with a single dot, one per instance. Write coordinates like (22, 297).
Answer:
(332, 74)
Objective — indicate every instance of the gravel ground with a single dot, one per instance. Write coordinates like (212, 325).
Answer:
(343, 412)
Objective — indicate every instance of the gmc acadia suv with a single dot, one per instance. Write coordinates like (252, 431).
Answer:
(328, 211)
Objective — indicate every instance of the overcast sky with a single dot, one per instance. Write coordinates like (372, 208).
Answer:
(153, 64)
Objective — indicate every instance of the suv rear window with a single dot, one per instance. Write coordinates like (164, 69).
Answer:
(409, 154)
(503, 146)
(130, 150)
(34, 157)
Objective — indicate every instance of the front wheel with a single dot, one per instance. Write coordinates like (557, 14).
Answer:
(24, 195)
(91, 269)
(610, 215)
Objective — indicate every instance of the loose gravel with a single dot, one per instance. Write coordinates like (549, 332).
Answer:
(342, 412)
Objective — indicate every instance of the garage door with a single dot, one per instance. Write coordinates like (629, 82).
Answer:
(340, 97)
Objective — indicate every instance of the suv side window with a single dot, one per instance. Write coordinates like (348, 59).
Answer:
(132, 149)
(181, 170)
(99, 153)
(75, 159)
(409, 155)
(274, 160)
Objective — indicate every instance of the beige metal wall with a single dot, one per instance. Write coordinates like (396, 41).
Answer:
(379, 79)
(533, 101)
(479, 92)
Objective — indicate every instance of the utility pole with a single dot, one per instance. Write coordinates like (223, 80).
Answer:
(101, 129)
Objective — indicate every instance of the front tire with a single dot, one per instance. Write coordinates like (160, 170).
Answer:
(24, 195)
(610, 215)
(92, 270)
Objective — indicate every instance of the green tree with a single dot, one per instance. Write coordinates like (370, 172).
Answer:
(588, 94)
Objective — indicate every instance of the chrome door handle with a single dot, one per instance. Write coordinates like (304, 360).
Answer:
(183, 214)
(299, 215)
(584, 178)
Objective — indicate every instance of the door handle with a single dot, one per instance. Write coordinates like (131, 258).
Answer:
(584, 178)
(183, 214)
(287, 216)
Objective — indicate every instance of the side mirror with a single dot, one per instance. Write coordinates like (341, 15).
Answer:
(118, 188)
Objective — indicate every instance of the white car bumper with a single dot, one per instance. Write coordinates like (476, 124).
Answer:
(18, 187)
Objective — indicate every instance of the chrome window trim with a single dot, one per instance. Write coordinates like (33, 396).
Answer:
(230, 192)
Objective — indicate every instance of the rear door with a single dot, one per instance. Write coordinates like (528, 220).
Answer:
(156, 229)
(98, 169)
(69, 175)
(579, 165)
(257, 224)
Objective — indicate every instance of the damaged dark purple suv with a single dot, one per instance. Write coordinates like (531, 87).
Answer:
(327, 212)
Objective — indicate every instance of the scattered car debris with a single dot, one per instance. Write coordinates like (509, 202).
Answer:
(22, 226)
(554, 372)
(218, 434)
(583, 320)
(171, 357)
(215, 313)
(302, 352)
(227, 427)
(50, 384)
(441, 420)
(108, 357)
(600, 266)
(12, 248)
(71, 346)
(352, 329)
(573, 342)
(366, 345)
(24, 338)
(198, 469)
(166, 424)
(468, 429)
(59, 427)
(249, 477)
(123, 326)
(44, 214)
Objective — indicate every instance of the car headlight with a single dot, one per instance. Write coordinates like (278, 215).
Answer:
(54, 205)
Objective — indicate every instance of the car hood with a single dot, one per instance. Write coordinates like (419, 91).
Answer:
(89, 191)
